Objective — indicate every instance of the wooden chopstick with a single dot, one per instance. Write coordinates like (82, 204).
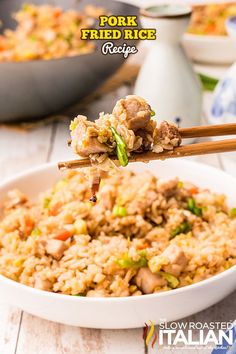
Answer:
(203, 131)
(208, 130)
(208, 147)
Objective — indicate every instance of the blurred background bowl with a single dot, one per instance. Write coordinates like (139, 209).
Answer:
(34, 89)
(210, 49)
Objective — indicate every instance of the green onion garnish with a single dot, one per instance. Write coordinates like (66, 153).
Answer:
(73, 125)
(68, 38)
(119, 211)
(25, 7)
(33, 37)
(127, 262)
(173, 282)
(193, 207)
(120, 148)
(36, 232)
(46, 202)
(153, 113)
(232, 213)
(181, 229)
(180, 184)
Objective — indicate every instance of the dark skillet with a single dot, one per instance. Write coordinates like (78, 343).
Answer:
(38, 88)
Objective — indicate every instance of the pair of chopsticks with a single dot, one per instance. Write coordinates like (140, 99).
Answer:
(208, 147)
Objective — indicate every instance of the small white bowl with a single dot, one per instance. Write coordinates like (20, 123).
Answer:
(210, 49)
(126, 312)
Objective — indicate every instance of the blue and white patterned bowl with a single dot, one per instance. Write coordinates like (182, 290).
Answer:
(231, 27)
(223, 108)
(224, 102)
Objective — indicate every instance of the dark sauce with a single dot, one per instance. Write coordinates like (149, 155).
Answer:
(94, 190)
(93, 199)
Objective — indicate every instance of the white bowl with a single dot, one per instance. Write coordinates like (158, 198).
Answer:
(126, 312)
(210, 49)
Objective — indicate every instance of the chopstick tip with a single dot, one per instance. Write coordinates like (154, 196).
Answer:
(61, 166)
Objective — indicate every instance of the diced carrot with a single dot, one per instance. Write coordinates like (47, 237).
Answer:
(63, 235)
(27, 225)
(210, 28)
(57, 12)
(53, 211)
(193, 190)
(142, 246)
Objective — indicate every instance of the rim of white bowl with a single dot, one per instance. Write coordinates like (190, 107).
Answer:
(65, 297)
(166, 11)
(207, 38)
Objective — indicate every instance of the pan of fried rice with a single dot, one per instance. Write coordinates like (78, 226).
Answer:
(45, 67)
(160, 242)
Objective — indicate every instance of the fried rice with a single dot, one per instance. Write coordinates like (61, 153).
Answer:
(47, 32)
(144, 235)
(209, 19)
(130, 129)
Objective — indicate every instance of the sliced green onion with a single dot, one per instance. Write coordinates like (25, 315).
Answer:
(25, 7)
(127, 262)
(80, 294)
(68, 38)
(173, 282)
(153, 113)
(181, 229)
(73, 125)
(36, 232)
(193, 207)
(120, 148)
(33, 37)
(191, 204)
(46, 202)
(180, 184)
(232, 213)
(119, 211)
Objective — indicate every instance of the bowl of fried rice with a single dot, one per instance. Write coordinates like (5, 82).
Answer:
(206, 40)
(159, 243)
(45, 66)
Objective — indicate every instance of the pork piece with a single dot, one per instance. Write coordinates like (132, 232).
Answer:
(55, 248)
(172, 260)
(133, 111)
(168, 136)
(177, 260)
(88, 138)
(14, 199)
(147, 140)
(147, 281)
(169, 188)
(107, 197)
(42, 284)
